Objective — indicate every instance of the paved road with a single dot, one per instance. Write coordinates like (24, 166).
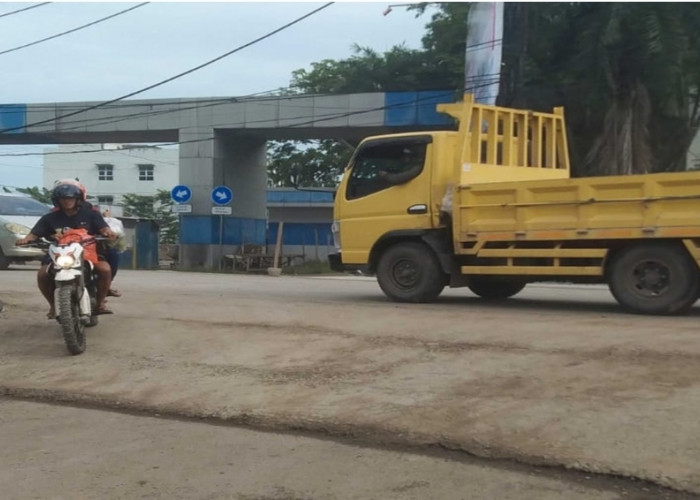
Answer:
(76, 453)
(556, 376)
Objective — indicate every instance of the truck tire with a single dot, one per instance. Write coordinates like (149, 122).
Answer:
(654, 278)
(410, 272)
(490, 288)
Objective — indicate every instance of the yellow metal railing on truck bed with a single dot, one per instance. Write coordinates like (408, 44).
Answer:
(508, 144)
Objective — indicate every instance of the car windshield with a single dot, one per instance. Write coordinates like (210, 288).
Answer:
(19, 205)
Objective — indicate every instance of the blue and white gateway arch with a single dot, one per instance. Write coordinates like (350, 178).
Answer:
(222, 143)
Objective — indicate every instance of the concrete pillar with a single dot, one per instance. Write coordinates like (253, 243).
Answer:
(209, 159)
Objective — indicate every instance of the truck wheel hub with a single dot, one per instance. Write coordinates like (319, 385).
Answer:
(651, 278)
(405, 273)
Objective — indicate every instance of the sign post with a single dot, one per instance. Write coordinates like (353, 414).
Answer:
(180, 194)
(221, 196)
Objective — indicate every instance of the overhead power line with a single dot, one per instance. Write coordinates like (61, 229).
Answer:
(24, 9)
(74, 29)
(196, 68)
(204, 103)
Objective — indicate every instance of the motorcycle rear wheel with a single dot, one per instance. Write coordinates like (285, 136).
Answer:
(69, 318)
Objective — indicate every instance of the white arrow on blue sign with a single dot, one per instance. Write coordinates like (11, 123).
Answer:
(181, 194)
(221, 195)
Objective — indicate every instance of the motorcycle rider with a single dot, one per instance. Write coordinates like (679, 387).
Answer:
(68, 199)
(110, 254)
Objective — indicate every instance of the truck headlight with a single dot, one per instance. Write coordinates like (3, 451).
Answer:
(335, 230)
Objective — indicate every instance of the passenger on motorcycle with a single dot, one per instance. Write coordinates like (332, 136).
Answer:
(68, 198)
(111, 255)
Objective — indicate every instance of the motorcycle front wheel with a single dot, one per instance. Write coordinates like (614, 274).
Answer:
(69, 318)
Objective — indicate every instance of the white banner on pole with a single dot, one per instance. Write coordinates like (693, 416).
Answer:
(483, 52)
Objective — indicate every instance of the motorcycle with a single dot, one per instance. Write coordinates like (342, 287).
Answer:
(75, 294)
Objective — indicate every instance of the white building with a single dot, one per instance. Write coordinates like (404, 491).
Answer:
(113, 170)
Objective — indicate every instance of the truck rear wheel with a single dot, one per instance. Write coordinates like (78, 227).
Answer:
(491, 288)
(654, 278)
(410, 272)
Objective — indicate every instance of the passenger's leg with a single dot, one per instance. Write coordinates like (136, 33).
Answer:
(104, 280)
(46, 286)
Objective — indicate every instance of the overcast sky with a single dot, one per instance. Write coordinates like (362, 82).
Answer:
(162, 39)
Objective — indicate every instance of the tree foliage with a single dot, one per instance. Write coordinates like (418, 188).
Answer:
(306, 163)
(40, 194)
(157, 208)
(624, 72)
(628, 75)
(439, 65)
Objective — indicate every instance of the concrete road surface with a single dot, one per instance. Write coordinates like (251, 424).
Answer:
(76, 453)
(558, 375)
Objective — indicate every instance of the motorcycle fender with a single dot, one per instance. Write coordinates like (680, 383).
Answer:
(85, 309)
(57, 303)
(67, 274)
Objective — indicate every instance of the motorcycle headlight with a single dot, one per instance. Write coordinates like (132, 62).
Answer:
(17, 229)
(65, 261)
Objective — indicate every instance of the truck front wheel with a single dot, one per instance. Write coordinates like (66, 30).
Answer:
(654, 278)
(410, 272)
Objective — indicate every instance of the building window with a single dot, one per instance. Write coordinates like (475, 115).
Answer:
(105, 200)
(145, 172)
(105, 172)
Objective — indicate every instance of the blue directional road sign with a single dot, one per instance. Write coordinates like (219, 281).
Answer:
(221, 195)
(181, 194)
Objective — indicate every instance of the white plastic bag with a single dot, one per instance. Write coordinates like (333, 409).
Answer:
(118, 228)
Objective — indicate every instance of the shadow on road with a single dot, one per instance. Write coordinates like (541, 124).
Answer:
(516, 304)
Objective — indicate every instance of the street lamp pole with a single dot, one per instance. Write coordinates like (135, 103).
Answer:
(389, 7)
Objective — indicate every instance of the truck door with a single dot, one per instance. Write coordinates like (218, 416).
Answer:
(387, 188)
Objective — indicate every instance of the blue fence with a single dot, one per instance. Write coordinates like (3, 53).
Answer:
(301, 233)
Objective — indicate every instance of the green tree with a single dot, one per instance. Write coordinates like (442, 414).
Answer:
(439, 65)
(157, 208)
(306, 163)
(627, 74)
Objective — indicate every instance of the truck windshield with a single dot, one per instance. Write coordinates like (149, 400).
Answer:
(378, 167)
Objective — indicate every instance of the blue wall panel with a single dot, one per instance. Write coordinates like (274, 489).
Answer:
(299, 196)
(301, 233)
(416, 108)
(400, 108)
(238, 231)
(426, 102)
(205, 229)
(198, 229)
(13, 115)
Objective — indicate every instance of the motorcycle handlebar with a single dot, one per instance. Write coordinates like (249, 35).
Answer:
(45, 242)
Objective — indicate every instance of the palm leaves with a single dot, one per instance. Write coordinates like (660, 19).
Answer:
(625, 85)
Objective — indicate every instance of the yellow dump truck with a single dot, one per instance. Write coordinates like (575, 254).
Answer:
(492, 206)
